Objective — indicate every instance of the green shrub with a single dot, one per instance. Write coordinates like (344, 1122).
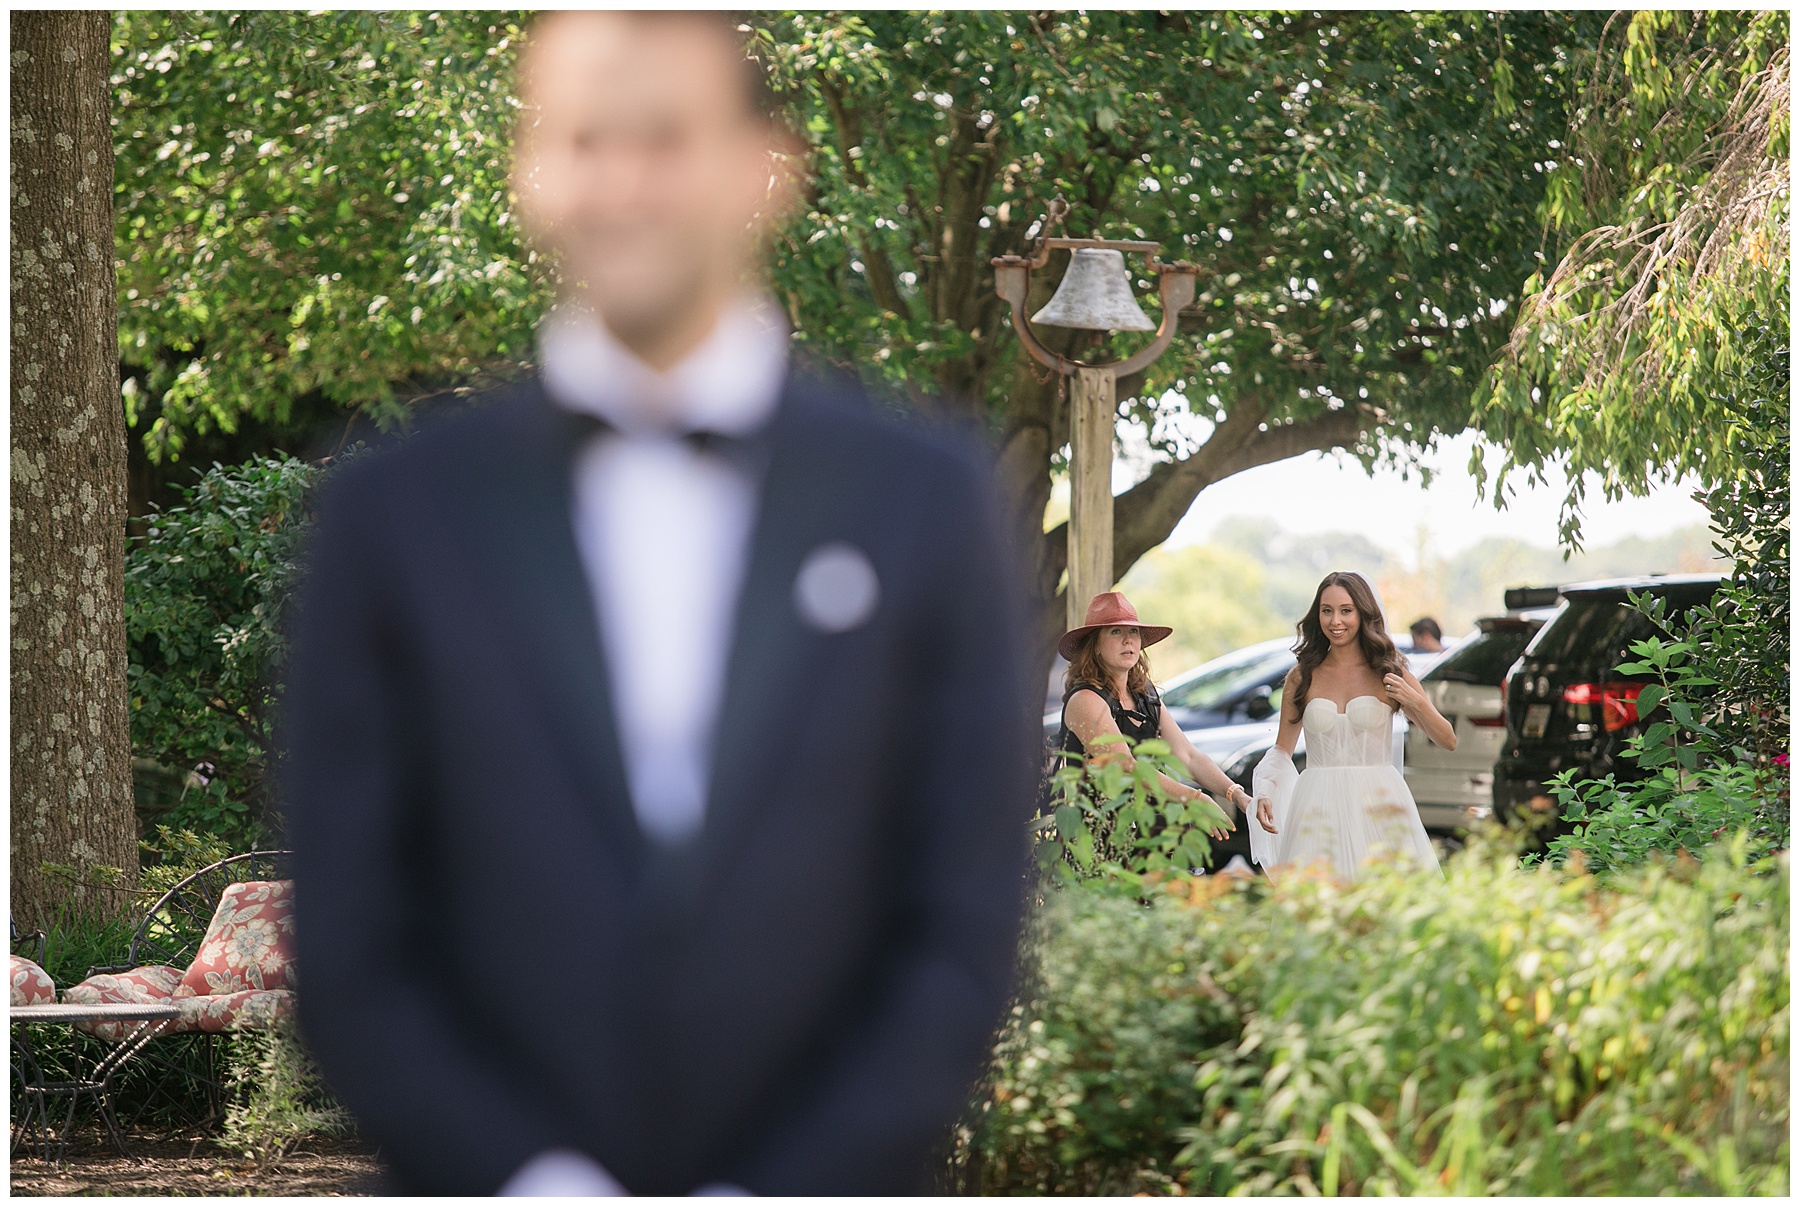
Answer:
(1107, 823)
(278, 1097)
(203, 594)
(1619, 825)
(1095, 1069)
(1742, 639)
(1502, 1030)
(78, 942)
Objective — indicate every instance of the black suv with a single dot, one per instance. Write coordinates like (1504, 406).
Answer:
(1565, 702)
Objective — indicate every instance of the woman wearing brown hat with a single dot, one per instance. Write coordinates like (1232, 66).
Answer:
(1107, 691)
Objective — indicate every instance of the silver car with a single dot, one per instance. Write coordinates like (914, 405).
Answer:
(1220, 704)
(1456, 787)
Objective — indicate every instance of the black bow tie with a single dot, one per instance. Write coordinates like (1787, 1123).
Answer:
(748, 452)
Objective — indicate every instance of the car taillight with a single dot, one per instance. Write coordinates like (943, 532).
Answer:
(1617, 701)
(1490, 722)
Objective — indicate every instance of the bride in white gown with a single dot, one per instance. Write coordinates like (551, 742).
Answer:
(1351, 803)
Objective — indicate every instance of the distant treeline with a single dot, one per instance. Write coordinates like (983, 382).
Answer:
(1251, 580)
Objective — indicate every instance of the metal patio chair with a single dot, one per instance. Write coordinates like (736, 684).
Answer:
(171, 933)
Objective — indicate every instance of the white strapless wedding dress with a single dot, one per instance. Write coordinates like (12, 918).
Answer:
(1351, 804)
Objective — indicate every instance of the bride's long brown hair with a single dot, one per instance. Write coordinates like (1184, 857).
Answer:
(1377, 647)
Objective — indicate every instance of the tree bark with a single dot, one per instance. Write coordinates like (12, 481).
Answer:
(71, 744)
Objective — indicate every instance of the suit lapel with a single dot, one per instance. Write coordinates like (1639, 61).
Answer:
(773, 653)
(521, 513)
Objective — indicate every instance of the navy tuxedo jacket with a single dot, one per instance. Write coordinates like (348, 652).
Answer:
(496, 962)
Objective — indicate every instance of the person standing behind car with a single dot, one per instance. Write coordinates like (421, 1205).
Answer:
(659, 754)
(1427, 636)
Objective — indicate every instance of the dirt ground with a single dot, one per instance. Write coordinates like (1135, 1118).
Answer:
(194, 1165)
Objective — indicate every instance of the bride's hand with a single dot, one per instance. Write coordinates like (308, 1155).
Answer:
(1403, 694)
(1265, 814)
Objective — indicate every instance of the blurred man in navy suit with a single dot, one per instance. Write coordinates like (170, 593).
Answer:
(659, 749)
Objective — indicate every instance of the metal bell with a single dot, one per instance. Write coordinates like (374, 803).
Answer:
(1095, 295)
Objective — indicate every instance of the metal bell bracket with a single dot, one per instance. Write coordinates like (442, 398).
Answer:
(1176, 284)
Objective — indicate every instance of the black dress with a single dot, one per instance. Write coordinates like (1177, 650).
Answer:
(1139, 723)
(1136, 723)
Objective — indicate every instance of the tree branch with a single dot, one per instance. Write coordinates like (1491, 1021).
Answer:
(1145, 515)
(964, 181)
(878, 268)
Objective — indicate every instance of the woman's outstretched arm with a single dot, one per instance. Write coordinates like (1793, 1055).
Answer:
(1201, 766)
(1092, 721)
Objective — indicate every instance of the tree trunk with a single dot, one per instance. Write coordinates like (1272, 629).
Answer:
(71, 744)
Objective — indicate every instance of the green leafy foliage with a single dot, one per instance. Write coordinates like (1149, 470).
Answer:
(318, 202)
(1620, 825)
(78, 942)
(1094, 1071)
(1359, 198)
(1670, 188)
(312, 212)
(1742, 640)
(1359, 191)
(160, 1089)
(279, 1097)
(203, 593)
(1498, 1031)
(1717, 744)
(1112, 819)
(311, 203)
(176, 855)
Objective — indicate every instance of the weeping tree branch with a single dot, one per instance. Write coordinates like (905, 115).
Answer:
(1612, 278)
(1622, 364)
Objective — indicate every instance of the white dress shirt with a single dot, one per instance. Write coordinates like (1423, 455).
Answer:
(663, 531)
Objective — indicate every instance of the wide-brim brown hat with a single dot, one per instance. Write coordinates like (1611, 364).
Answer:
(1105, 610)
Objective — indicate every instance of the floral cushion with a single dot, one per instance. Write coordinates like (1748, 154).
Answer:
(242, 978)
(151, 983)
(245, 1010)
(31, 985)
(249, 943)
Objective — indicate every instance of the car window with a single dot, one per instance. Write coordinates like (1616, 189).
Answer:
(1483, 658)
(1591, 631)
(1228, 678)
